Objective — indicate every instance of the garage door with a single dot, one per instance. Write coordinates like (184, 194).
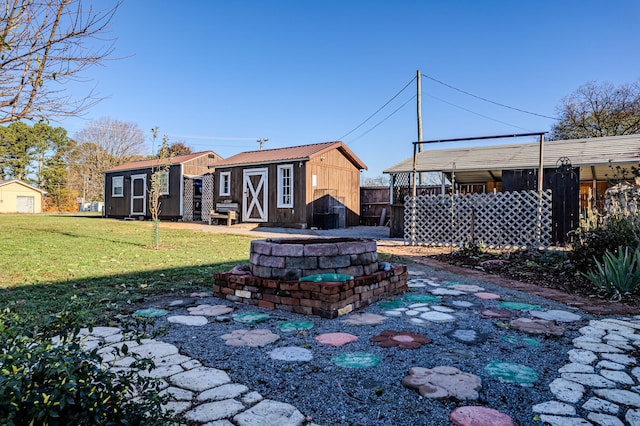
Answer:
(24, 204)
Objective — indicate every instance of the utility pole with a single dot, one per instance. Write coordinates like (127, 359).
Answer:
(419, 111)
(261, 141)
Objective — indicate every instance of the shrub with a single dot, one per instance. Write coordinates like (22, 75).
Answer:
(617, 274)
(47, 380)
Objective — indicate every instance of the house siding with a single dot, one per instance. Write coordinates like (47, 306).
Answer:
(9, 194)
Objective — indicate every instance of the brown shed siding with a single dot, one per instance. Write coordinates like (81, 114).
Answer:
(200, 166)
(336, 179)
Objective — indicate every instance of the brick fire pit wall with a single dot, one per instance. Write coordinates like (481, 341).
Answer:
(325, 299)
(291, 259)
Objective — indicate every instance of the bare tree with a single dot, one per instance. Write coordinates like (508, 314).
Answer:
(597, 110)
(103, 144)
(43, 45)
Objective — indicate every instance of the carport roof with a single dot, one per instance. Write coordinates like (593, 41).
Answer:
(595, 156)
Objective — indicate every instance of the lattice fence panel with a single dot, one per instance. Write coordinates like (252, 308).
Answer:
(207, 196)
(188, 200)
(501, 220)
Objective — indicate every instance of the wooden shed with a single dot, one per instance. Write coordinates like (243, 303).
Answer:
(19, 197)
(187, 187)
(315, 185)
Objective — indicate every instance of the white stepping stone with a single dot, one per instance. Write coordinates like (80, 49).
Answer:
(393, 313)
(443, 309)
(582, 356)
(291, 353)
(556, 315)
(566, 390)
(412, 313)
(269, 412)
(619, 396)
(604, 419)
(417, 321)
(228, 391)
(212, 411)
(592, 331)
(592, 380)
(574, 367)
(596, 347)
(200, 379)
(437, 317)
(418, 305)
(462, 304)
(413, 284)
(433, 283)
(423, 309)
(470, 288)
(446, 292)
(194, 320)
(600, 406)
(633, 417)
(619, 358)
(555, 407)
(563, 421)
(617, 376)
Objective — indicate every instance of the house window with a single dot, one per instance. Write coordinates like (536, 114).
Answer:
(117, 186)
(163, 180)
(225, 183)
(285, 186)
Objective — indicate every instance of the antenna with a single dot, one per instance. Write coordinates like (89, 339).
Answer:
(261, 141)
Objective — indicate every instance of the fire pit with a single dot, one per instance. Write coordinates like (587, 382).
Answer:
(277, 264)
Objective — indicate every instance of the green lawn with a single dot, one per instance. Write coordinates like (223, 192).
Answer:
(107, 263)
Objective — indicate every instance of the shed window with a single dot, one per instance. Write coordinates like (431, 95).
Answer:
(117, 186)
(164, 182)
(285, 186)
(225, 183)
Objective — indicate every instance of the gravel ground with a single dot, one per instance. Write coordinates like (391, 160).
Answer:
(333, 395)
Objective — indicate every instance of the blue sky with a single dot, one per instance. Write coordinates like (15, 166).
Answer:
(221, 74)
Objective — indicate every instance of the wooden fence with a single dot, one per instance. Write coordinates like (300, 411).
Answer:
(497, 220)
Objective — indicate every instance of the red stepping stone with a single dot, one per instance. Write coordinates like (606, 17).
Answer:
(479, 416)
(336, 339)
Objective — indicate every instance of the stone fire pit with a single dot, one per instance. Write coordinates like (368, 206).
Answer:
(277, 265)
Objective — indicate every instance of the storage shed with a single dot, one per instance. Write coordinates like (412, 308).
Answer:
(315, 185)
(19, 197)
(187, 187)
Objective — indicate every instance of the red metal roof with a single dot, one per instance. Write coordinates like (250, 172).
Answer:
(294, 153)
(146, 164)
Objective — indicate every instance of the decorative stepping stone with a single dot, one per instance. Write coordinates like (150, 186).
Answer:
(517, 306)
(356, 360)
(487, 296)
(512, 373)
(288, 326)
(443, 382)
(479, 416)
(467, 336)
(443, 309)
(497, 313)
(469, 288)
(437, 317)
(364, 319)
(554, 407)
(150, 313)
(422, 298)
(418, 321)
(188, 320)
(210, 310)
(391, 304)
(566, 390)
(462, 304)
(412, 313)
(401, 339)
(446, 292)
(556, 315)
(537, 326)
(422, 309)
(416, 284)
(251, 338)
(450, 283)
(267, 412)
(251, 317)
(336, 339)
(291, 353)
(200, 294)
(394, 313)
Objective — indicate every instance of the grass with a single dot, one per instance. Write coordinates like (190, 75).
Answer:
(108, 264)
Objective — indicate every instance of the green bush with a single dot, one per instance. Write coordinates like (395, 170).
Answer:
(617, 274)
(47, 380)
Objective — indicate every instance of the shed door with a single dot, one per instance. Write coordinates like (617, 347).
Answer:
(25, 204)
(255, 195)
(138, 195)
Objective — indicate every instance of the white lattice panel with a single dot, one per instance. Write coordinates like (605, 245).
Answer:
(501, 220)
(207, 196)
(188, 200)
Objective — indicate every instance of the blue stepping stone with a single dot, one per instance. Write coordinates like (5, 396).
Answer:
(512, 373)
(150, 313)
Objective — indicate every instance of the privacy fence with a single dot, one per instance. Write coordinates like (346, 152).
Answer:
(496, 220)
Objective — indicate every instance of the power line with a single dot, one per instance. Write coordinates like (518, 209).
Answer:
(384, 119)
(476, 113)
(487, 100)
(377, 111)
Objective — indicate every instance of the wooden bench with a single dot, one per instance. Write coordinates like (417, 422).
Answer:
(228, 211)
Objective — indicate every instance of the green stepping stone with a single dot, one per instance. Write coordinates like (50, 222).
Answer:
(422, 298)
(531, 341)
(510, 339)
(295, 325)
(512, 373)
(251, 317)
(528, 340)
(391, 304)
(150, 313)
(356, 360)
(452, 282)
(516, 306)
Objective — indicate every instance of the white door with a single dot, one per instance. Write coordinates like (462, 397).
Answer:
(25, 204)
(138, 195)
(255, 206)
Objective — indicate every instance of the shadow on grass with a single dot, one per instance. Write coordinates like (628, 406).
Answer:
(109, 297)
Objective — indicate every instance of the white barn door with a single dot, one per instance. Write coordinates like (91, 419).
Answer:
(255, 206)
